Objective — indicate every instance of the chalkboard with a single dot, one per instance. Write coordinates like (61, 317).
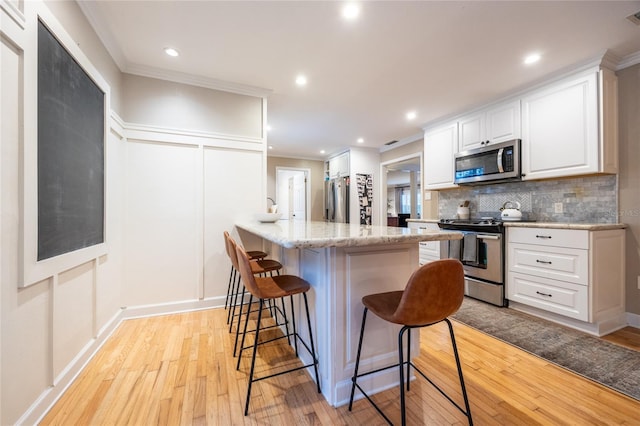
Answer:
(71, 131)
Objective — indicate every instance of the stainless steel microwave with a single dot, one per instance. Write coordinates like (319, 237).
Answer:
(489, 164)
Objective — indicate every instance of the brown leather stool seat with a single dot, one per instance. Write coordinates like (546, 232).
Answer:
(256, 254)
(273, 288)
(434, 292)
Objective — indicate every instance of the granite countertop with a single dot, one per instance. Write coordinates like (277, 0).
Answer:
(302, 234)
(558, 225)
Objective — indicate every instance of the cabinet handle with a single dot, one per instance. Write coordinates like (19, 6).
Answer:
(546, 262)
(544, 236)
(544, 294)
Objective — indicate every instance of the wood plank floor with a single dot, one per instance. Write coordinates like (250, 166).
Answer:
(179, 370)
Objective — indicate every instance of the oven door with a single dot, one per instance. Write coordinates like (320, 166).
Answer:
(483, 260)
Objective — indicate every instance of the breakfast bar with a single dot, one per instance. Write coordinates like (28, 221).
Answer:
(343, 263)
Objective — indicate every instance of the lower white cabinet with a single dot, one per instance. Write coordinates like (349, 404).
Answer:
(577, 274)
(429, 250)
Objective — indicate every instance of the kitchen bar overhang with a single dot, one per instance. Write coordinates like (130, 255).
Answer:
(343, 263)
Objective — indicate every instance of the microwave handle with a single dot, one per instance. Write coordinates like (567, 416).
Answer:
(500, 168)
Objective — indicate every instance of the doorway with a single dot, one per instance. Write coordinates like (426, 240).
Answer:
(401, 187)
(292, 189)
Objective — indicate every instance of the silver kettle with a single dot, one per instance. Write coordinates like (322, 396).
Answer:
(511, 211)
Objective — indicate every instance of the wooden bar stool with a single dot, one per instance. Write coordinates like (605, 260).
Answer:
(434, 292)
(253, 255)
(273, 288)
(258, 267)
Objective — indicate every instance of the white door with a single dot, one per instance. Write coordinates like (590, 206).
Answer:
(298, 196)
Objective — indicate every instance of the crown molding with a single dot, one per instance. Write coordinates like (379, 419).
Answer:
(100, 27)
(628, 61)
(194, 80)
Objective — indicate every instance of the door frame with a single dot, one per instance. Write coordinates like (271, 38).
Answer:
(383, 182)
(307, 186)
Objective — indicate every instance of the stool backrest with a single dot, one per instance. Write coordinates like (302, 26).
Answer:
(230, 245)
(244, 266)
(433, 292)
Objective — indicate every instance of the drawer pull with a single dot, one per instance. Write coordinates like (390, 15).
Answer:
(544, 294)
(548, 237)
(546, 262)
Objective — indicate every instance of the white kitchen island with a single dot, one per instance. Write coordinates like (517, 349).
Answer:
(343, 263)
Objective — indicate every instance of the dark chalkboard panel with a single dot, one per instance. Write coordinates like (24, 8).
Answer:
(70, 152)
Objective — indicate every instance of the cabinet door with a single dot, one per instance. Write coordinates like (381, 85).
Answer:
(339, 166)
(472, 131)
(503, 122)
(560, 129)
(439, 147)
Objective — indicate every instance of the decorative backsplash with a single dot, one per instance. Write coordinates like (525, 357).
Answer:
(589, 199)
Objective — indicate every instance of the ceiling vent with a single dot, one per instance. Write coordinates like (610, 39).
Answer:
(390, 143)
(635, 18)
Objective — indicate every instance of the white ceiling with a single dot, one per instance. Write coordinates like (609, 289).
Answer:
(437, 58)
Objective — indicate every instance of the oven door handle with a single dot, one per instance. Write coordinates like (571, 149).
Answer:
(487, 237)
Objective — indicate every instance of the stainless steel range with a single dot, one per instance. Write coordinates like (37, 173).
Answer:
(481, 251)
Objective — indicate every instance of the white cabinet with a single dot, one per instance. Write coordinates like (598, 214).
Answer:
(568, 128)
(498, 123)
(576, 274)
(440, 144)
(339, 165)
(429, 250)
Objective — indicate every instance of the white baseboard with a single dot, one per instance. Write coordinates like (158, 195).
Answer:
(61, 383)
(633, 320)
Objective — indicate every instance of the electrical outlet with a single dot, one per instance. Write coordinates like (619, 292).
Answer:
(638, 282)
(558, 207)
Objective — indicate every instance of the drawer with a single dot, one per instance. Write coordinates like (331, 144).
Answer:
(430, 248)
(562, 298)
(571, 238)
(564, 264)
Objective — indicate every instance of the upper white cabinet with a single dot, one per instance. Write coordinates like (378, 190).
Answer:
(570, 127)
(440, 145)
(495, 124)
(339, 166)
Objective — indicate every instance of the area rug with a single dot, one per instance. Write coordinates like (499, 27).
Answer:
(611, 365)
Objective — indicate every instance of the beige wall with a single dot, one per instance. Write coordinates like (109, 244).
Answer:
(180, 106)
(317, 180)
(629, 178)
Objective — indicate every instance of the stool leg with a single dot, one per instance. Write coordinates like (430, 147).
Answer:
(401, 360)
(226, 301)
(244, 332)
(235, 304)
(313, 348)
(235, 345)
(464, 389)
(286, 322)
(408, 359)
(232, 311)
(293, 320)
(253, 356)
(355, 373)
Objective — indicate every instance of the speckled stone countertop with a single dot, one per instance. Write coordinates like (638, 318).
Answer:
(557, 225)
(301, 234)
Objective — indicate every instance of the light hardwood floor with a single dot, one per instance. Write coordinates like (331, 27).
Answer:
(179, 370)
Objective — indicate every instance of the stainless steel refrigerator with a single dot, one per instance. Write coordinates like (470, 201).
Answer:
(336, 192)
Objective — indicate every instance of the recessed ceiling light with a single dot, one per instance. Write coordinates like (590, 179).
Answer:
(322, 151)
(350, 11)
(360, 140)
(270, 146)
(532, 59)
(268, 128)
(301, 80)
(411, 115)
(171, 51)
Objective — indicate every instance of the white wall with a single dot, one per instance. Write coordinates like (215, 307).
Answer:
(169, 195)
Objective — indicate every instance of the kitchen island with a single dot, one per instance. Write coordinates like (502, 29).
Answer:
(343, 263)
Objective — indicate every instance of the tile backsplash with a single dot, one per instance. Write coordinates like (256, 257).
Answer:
(589, 199)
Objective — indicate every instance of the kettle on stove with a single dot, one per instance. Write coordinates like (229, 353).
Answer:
(509, 211)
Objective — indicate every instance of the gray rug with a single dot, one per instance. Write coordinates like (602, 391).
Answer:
(611, 365)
